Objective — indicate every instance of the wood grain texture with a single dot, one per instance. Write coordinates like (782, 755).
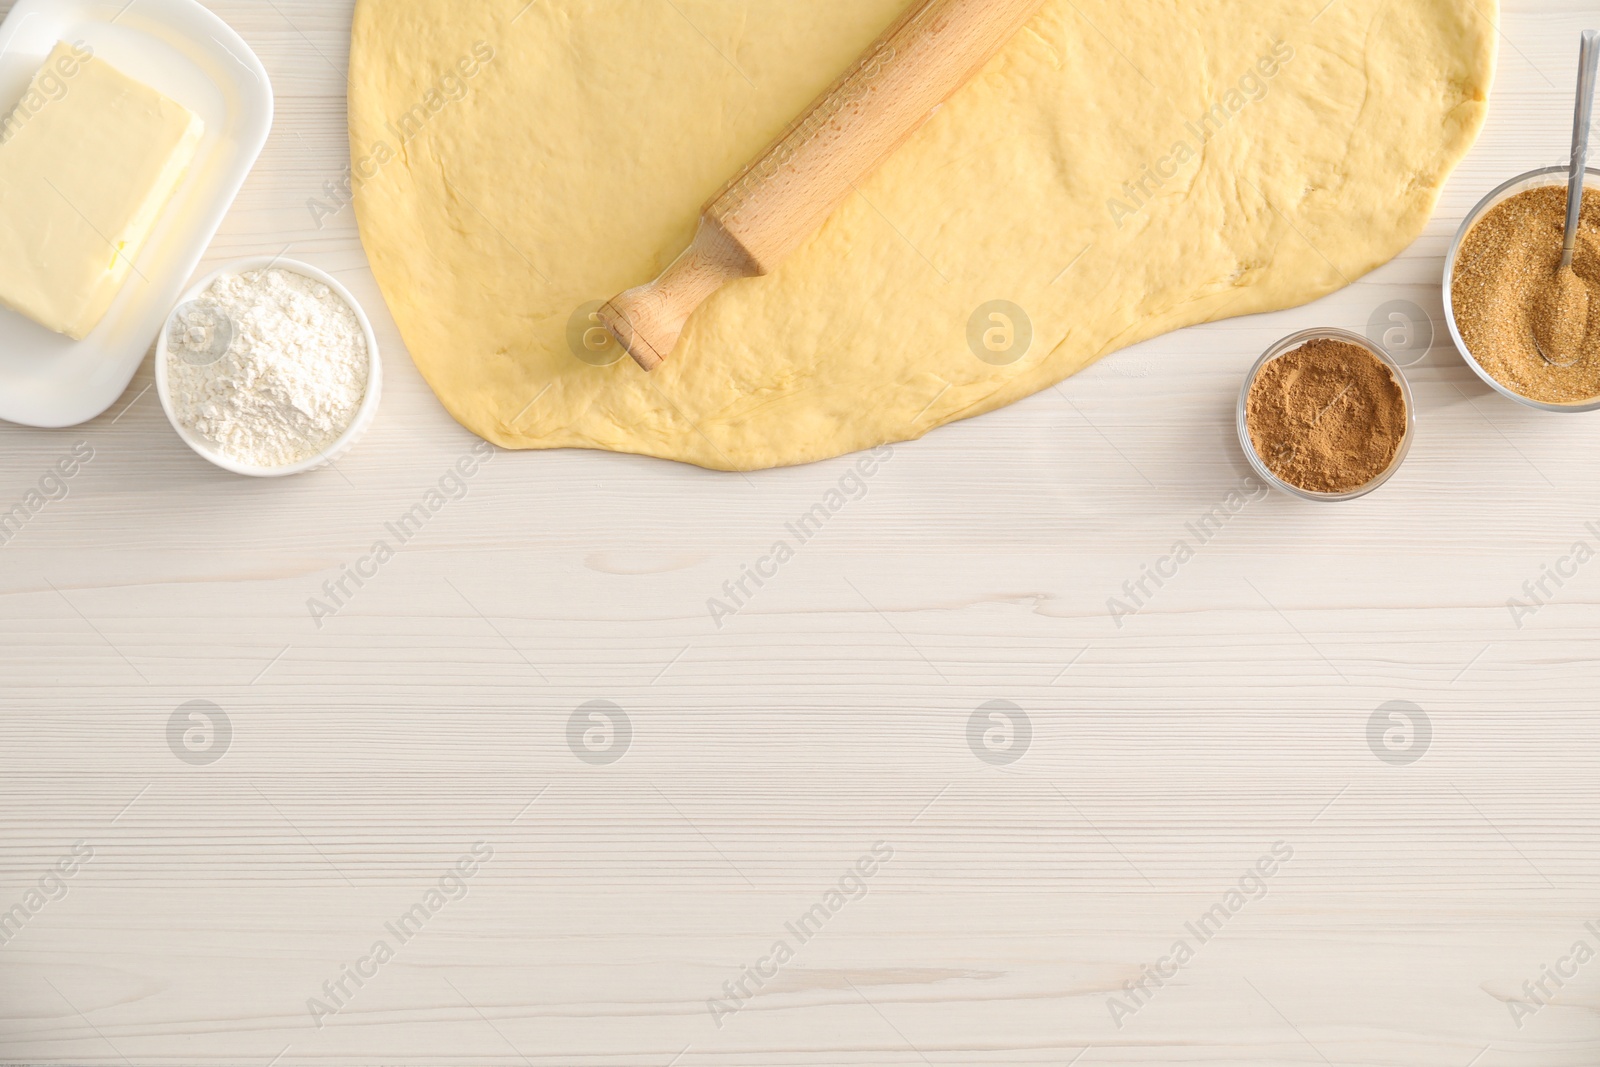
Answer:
(771, 752)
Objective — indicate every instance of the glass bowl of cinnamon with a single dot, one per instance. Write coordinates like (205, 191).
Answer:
(1499, 281)
(1326, 415)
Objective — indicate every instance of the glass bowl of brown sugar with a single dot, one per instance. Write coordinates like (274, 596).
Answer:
(1326, 415)
(1502, 260)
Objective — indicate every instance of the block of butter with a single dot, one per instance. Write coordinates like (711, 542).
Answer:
(88, 160)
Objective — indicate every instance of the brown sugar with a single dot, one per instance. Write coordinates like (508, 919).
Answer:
(1327, 417)
(1561, 316)
(1508, 291)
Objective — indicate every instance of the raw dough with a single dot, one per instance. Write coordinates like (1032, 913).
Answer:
(572, 163)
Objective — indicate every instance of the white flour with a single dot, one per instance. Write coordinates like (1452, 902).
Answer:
(268, 366)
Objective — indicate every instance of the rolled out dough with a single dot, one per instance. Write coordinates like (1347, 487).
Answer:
(1121, 170)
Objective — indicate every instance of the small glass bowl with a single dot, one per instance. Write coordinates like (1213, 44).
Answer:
(1289, 344)
(1534, 179)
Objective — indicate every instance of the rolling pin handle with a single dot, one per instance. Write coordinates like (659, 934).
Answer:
(648, 321)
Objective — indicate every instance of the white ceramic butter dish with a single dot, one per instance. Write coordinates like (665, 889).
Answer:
(182, 50)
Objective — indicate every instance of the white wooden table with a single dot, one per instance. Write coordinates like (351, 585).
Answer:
(236, 873)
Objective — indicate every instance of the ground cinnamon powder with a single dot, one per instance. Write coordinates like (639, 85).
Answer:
(1507, 290)
(1327, 417)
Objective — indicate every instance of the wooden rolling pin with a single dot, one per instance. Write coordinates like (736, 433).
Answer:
(786, 193)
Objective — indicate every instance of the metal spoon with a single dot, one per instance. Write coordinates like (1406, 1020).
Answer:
(1588, 64)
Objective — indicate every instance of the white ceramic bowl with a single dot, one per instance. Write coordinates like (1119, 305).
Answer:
(1545, 177)
(359, 424)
